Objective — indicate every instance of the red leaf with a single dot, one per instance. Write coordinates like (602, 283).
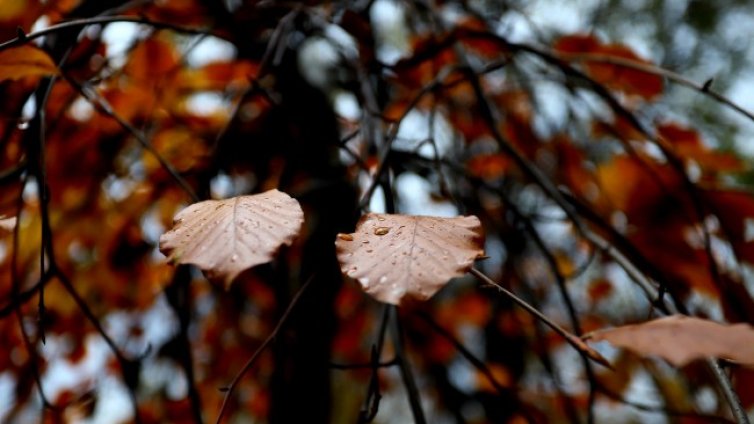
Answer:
(688, 144)
(603, 63)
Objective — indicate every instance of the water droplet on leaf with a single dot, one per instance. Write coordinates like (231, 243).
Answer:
(381, 231)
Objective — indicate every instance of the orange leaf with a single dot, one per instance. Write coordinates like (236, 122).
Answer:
(488, 166)
(227, 237)
(499, 373)
(599, 289)
(680, 339)
(396, 257)
(25, 61)
(152, 59)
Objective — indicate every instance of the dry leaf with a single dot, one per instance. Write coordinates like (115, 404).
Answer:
(7, 225)
(395, 257)
(24, 61)
(225, 237)
(681, 339)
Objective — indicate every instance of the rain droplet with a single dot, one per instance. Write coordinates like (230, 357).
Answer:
(381, 231)
(346, 237)
(383, 279)
(234, 258)
(380, 218)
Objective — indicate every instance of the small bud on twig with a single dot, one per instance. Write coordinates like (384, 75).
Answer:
(707, 84)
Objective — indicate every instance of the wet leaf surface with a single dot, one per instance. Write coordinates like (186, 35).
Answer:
(226, 237)
(395, 257)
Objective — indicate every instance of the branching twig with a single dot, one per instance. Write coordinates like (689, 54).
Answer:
(102, 105)
(464, 351)
(649, 68)
(247, 366)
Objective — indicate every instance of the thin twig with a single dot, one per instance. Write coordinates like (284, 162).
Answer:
(660, 409)
(739, 412)
(372, 400)
(414, 399)
(659, 71)
(15, 287)
(393, 133)
(561, 284)
(463, 350)
(102, 105)
(247, 366)
(573, 340)
(178, 295)
(97, 20)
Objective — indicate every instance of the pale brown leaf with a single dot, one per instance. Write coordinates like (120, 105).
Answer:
(395, 257)
(680, 339)
(225, 237)
(7, 225)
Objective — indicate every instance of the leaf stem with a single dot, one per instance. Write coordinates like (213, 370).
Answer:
(572, 339)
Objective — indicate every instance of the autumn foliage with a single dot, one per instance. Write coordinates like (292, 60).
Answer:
(278, 212)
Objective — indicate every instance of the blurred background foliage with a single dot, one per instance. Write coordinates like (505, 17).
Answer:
(429, 107)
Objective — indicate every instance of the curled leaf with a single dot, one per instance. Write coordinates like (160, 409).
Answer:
(395, 257)
(680, 339)
(225, 237)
